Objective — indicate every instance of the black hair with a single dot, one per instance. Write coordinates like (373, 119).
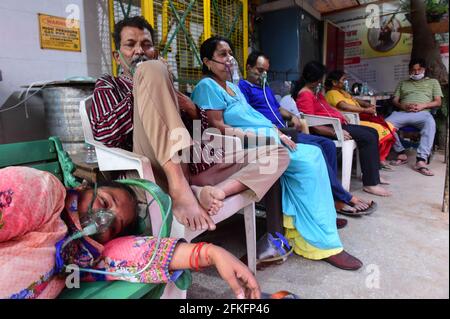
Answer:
(208, 47)
(419, 61)
(335, 75)
(136, 22)
(313, 71)
(252, 57)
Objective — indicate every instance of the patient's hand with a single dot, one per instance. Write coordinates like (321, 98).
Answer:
(235, 273)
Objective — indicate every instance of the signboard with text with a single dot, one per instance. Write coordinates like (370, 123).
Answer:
(57, 33)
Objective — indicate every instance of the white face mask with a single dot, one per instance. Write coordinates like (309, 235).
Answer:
(417, 77)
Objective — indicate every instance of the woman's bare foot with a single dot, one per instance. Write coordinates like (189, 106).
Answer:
(188, 212)
(210, 198)
(377, 190)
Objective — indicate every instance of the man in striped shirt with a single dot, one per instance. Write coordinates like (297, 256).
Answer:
(415, 98)
(140, 110)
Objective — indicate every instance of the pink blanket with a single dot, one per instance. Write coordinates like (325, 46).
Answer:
(30, 205)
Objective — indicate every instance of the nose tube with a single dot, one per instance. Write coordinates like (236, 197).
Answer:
(264, 77)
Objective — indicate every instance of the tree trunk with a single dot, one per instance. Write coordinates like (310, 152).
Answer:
(424, 43)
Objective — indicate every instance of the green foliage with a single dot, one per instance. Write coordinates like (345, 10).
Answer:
(433, 7)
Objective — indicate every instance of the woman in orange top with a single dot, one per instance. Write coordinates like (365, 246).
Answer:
(337, 97)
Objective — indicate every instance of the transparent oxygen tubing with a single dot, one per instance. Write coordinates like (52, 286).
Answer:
(264, 78)
(92, 229)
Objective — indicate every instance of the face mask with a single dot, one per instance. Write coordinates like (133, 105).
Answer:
(264, 78)
(318, 89)
(134, 63)
(346, 86)
(100, 219)
(417, 77)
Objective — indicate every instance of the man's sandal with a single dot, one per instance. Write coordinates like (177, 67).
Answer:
(423, 170)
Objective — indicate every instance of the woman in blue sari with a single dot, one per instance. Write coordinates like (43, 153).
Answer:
(308, 207)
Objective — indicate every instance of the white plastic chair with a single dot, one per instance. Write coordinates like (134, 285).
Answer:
(347, 146)
(116, 159)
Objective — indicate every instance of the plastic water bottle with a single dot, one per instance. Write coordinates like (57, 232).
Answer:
(235, 71)
(91, 156)
(363, 89)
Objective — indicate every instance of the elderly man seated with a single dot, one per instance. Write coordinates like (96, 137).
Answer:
(415, 98)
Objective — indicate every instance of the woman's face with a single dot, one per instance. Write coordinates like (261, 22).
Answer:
(113, 199)
(220, 63)
(340, 84)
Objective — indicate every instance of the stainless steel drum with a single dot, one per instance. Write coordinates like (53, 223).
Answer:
(61, 104)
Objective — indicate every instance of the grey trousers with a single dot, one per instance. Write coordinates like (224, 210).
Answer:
(422, 120)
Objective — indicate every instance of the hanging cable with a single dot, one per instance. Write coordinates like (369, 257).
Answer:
(264, 79)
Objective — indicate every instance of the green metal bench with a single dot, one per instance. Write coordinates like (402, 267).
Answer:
(49, 155)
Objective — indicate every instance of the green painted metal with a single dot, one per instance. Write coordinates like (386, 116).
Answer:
(113, 290)
(235, 21)
(126, 14)
(219, 16)
(27, 152)
(66, 163)
(45, 155)
(179, 26)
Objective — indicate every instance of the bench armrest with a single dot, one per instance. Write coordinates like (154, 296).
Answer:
(352, 117)
(228, 142)
(117, 159)
(317, 120)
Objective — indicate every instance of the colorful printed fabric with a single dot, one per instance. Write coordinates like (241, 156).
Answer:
(30, 205)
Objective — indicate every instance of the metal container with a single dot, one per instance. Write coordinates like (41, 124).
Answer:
(61, 104)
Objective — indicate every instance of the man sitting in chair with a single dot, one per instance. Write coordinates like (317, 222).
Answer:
(259, 95)
(140, 110)
(415, 98)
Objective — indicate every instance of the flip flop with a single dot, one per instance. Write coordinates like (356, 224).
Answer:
(424, 171)
(386, 167)
(353, 212)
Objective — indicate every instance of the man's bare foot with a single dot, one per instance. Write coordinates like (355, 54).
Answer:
(377, 190)
(210, 198)
(359, 204)
(188, 212)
